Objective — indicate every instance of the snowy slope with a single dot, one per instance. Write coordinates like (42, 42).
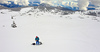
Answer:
(58, 33)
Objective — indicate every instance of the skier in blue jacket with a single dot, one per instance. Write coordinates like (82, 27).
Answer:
(37, 40)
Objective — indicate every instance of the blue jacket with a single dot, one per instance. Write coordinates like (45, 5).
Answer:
(37, 38)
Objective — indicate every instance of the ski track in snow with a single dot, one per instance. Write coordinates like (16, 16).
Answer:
(58, 33)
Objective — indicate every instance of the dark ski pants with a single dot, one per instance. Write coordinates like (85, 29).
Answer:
(37, 42)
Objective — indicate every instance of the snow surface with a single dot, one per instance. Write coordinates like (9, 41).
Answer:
(58, 33)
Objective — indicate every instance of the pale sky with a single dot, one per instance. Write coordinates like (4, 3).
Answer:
(82, 4)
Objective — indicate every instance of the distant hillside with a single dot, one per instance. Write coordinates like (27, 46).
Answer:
(2, 7)
(13, 9)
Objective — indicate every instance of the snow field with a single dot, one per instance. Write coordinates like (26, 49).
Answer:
(58, 34)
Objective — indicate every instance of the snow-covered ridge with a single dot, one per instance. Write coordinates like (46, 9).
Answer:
(35, 11)
(55, 10)
(61, 12)
(93, 13)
